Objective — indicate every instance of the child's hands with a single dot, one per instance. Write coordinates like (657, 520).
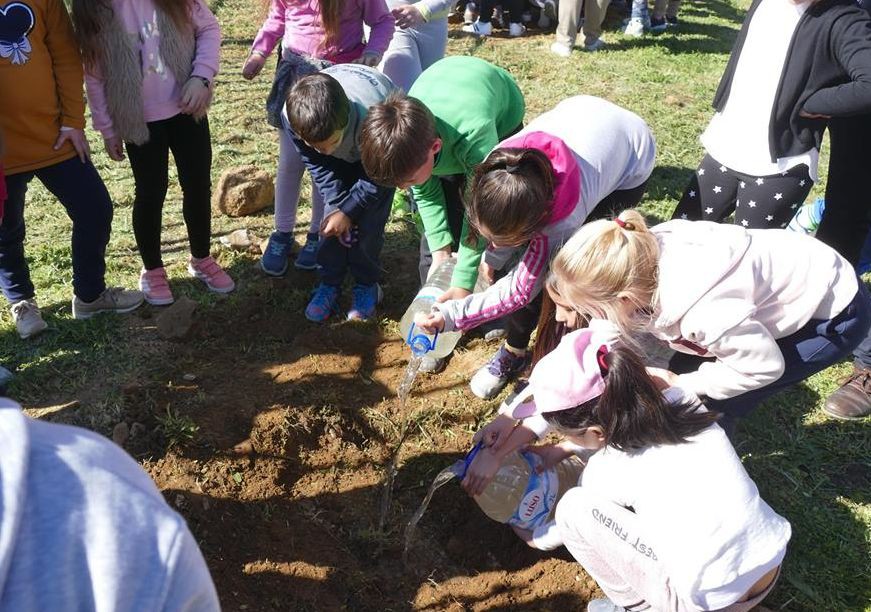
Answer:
(195, 97)
(78, 139)
(369, 58)
(454, 293)
(494, 433)
(114, 148)
(550, 454)
(253, 65)
(430, 322)
(481, 471)
(407, 16)
(337, 224)
(438, 258)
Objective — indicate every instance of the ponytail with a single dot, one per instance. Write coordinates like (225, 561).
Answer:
(605, 263)
(632, 412)
(510, 196)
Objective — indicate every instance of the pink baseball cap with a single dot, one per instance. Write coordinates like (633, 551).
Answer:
(571, 374)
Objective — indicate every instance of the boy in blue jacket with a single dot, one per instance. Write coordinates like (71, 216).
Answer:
(325, 113)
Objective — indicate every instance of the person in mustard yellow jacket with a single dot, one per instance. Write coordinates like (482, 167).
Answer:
(43, 125)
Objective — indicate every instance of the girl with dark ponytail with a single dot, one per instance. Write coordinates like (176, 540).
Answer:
(665, 517)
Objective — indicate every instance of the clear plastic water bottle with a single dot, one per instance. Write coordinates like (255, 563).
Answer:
(808, 217)
(518, 495)
(438, 345)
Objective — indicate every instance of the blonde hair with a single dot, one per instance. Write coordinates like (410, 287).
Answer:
(604, 263)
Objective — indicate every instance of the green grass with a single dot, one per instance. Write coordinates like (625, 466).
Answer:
(811, 469)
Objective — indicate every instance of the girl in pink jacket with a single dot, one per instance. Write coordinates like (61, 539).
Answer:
(314, 34)
(149, 68)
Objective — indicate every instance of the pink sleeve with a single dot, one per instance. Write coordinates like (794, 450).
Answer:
(511, 292)
(208, 34)
(272, 30)
(100, 118)
(381, 24)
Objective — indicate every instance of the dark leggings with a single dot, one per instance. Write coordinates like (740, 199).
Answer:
(191, 146)
(759, 202)
(522, 322)
(514, 8)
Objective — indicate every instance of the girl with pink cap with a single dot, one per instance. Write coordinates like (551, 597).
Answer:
(665, 517)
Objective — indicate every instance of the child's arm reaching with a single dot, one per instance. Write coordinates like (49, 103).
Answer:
(512, 292)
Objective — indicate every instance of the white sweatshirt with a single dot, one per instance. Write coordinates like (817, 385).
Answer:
(730, 293)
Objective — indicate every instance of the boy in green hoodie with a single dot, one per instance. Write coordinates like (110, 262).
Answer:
(431, 140)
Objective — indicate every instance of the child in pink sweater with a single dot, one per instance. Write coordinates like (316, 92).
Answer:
(314, 35)
(149, 67)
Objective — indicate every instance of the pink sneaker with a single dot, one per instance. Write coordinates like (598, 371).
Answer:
(155, 286)
(208, 271)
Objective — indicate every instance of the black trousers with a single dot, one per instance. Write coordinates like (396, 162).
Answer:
(847, 218)
(191, 144)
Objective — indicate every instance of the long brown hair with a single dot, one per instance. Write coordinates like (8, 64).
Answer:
(632, 412)
(510, 196)
(331, 14)
(90, 17)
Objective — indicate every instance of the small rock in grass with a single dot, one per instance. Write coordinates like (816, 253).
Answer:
(137, 429)
(189, 377)
(243, 190)
(176, 321)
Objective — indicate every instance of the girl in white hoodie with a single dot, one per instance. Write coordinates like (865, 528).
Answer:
(759, 310)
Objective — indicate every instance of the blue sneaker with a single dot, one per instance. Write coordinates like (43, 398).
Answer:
(324, 302)
(274, 259)
(307, 258)
(363, 301)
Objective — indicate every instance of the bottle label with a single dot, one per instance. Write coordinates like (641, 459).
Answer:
(539, 498)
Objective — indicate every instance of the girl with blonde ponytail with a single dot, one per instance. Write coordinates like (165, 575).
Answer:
(755, 310)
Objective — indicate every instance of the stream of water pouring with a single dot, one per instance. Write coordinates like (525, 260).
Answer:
(444, 477)
(408, 380)
(390, 471)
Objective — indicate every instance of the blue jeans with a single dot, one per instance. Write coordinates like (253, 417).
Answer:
(814, 347)
(80, 189)
(363, 258)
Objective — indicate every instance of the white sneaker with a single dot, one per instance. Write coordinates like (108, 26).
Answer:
(27, 319)
(595, 45)
(516, 29)
(479, 29)
(635, 27)
(561, 49)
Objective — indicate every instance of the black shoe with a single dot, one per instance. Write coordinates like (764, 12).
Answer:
(672, 21)
(658, 25)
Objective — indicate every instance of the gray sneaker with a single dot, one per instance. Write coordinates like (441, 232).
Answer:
(27, 319)
(113, 299)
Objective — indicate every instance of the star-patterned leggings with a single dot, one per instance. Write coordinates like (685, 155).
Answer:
(761, 202)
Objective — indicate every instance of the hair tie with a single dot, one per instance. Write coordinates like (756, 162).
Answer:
(600, 358)
(623, 224)
(510, 168)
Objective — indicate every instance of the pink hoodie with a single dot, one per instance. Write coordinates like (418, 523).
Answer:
(299, 23)
(523, 283)
(161, 94)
